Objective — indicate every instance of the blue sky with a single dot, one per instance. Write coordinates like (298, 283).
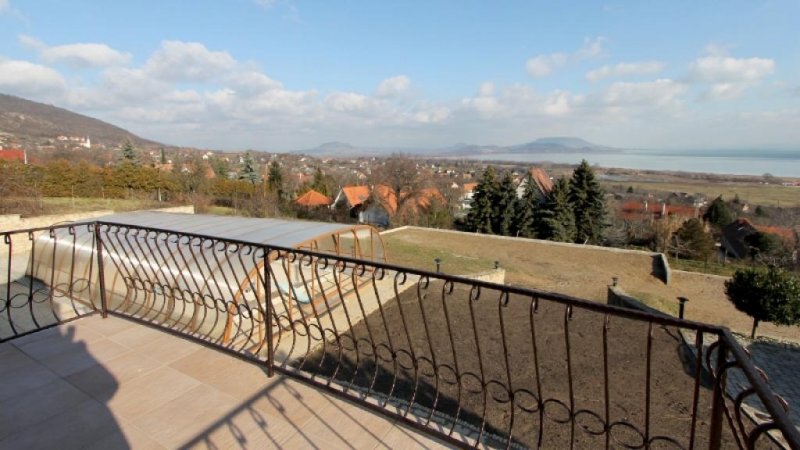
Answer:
(289, 74)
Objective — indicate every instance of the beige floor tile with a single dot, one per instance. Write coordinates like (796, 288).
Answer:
(136, 398)
(343, 425)
(135, 336)
(36, 405)
(125, 436)
(202, 399)
(291, 401)
(402, 437)
(244, 428)
(12, 358)
(155, 344)
(75, 428)
(54, 341)
(229, 374)
(108, 326)
(196, 409)
(80, 356)
(101, 381)
(20, 373)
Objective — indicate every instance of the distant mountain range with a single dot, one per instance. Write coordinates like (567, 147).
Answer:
(541, 145)
(32, 121)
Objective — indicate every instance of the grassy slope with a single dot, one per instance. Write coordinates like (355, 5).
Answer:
(577, 271)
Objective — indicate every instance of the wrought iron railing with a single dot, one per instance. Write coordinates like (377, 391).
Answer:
(471, 362)
(42, 276)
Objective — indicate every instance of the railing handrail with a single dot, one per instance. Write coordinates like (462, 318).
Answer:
(762, 390)
(511, 289)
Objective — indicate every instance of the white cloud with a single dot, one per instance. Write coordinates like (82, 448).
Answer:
(486, 89)
(557, 104)
(656, 94)
(266, 4)
(252, 82)
(432, 115)
(721, 69)
(188, 62)
(83, 55)
(80, 55)
(729, 77)
(592, 48)
(394, 86)
(724, 91)
(625, 69)
(544, 65)
(5, 5)
(29, 80)
(715, 49)
(187, 94)
(347, 101)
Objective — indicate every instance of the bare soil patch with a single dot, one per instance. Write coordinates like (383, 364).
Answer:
(523, 373)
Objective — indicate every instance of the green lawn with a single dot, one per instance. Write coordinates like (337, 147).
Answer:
(422, 257)
(711, 268)
(64, 205)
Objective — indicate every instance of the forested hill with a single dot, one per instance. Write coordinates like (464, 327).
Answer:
(28, 120)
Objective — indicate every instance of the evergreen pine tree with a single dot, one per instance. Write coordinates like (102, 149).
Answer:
(527, 208)
(275, 178)
(318, 183)
(718, 213)
(504, 222)
(481, 213)
(129, 154)
(556, 220)
(693, 240)
(248, 171)
(586, 199)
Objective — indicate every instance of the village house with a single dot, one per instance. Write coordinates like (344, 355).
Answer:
(542, 182)
(734, 238)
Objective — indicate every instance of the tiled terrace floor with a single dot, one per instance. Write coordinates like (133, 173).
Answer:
(111, 383)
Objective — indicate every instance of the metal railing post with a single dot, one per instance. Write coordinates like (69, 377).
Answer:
(268, 299)
(100, 273)
(718, 400)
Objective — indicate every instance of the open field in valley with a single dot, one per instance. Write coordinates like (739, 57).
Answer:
(753, 193)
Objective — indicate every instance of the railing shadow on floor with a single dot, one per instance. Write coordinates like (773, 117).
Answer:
(44, 400)
(314, 431)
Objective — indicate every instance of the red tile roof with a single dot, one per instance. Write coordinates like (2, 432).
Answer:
(787, 234)
(542, 180)
(387, 198)
(356, 195)
(313, 198)
(633, 209)
(12, 155)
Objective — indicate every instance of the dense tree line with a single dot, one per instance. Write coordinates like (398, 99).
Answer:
(573, 211)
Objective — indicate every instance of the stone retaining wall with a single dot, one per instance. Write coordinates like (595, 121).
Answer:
(618, 297)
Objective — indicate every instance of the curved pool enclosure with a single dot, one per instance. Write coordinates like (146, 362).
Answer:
(205, 273)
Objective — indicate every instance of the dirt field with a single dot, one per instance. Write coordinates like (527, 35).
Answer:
(413, 348)
(574, 270)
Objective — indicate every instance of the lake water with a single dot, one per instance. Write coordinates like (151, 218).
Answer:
(781, 163)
